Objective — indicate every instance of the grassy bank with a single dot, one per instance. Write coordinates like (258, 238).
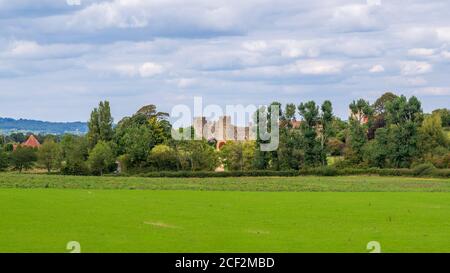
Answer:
(303, 183)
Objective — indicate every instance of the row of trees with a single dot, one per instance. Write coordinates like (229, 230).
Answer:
(393, 132)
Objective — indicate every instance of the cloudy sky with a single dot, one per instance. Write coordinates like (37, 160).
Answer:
(58, 58)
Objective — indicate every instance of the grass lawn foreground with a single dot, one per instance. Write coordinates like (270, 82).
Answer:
(300, 214)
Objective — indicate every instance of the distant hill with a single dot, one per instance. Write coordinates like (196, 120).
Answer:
(9, 125)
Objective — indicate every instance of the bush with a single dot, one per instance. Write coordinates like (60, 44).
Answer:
(4, 161)
(420, 170)
(425, 169)
(75, 168)
(23, 158)
(443, 173)
(202, 174)
(163, 157)
(320, 171)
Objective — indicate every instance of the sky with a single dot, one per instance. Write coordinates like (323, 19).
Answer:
(59, 58)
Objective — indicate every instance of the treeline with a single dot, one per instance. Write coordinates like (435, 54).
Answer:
(392, 133)
(44, 127)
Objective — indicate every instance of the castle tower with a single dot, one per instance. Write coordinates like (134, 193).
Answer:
(224, 129)
(199, 124)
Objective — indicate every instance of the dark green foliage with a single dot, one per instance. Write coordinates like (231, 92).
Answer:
(75, 153)
(23, 158)
(360, 120)
(136, 136)
(238, 156)
(197, 155)
(376, 151)
(380, 104)
(313, 154)
(163, 158)
(50, 155)
(318, 171)
(403, 120)
(100, 124)
(445, 116)
(423, 169)
(4, 160)
(101, 158)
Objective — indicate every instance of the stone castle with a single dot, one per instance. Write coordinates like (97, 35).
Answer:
(221, 130)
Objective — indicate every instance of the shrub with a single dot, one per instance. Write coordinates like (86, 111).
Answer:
(163, 157)
(23, 158)
(4, 161)
(423, 169)
(321, 171)
(101, 158)
(75, 168)
(444, 173)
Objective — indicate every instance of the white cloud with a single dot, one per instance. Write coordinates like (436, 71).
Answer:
(377, 69)
(374, 2)
(24, 48)
(415, 68)
(255, 45)
(356, 17)
(424, 52)
(150, 69)
(433, 91)
(186, 82)
(443, 34)
(295, 49)
(128, 70)
(416, 81)
(227, 49)
(445, 54)
(317, 67)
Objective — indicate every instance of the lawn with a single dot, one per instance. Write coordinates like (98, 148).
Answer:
(270, 184)
(224, 215)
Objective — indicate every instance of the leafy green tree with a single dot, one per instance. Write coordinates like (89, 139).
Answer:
(376, 151)
(100, 124)
(23, 158)
(75, 151)
(163, 158)
(432, 134)
(101, 158)
(262, 158)
(445, 116)
(289, 114)
(149, 111)
(154, 128)
(137, 143)
(197, 155)
(50, 155)
(403, 118)
(379, 106)
(93, 134)
(326, 129)
(379, 119)
(4, 160)
(238, 155)
(335, 146)
(360, 121)
(313, 153)
(105, 122)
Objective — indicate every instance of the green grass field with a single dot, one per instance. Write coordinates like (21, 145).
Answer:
(300, 214)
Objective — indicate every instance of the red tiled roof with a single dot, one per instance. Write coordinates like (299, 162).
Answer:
(32, 142)
(296, 124)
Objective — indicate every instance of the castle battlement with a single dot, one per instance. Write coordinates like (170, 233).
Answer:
(221, 130)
